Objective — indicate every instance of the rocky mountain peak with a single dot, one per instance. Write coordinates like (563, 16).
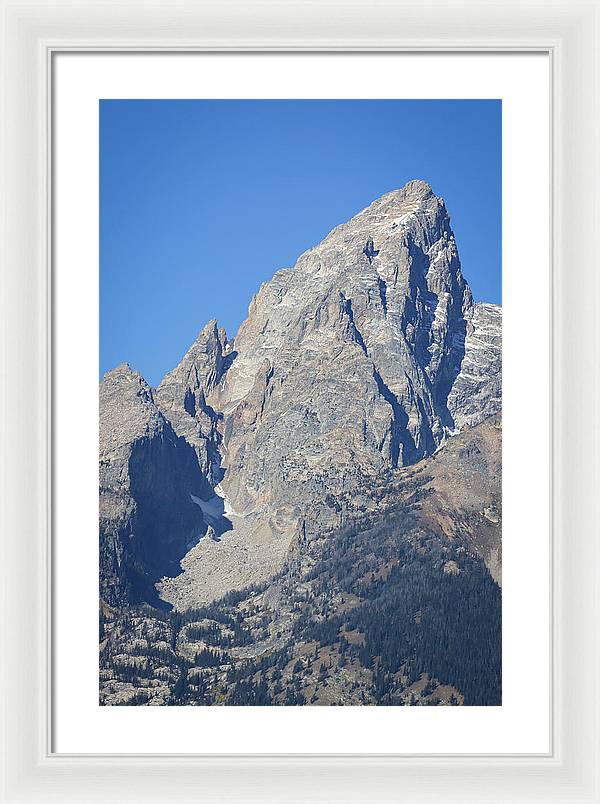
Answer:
(123, 376)
(127, 409)
(183, 393)
(361, 359)
(199, 370)
(417, 188)
(412, 213)
(388, 283)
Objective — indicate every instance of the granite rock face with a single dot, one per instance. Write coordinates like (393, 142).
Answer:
(365, 357)
(465, 491)
(148, 520)
(477, 391)
(345, 362)
(182, 395)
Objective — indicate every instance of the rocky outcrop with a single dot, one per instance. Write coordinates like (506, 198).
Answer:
(148, 521)
(182, 394)
(477, 391)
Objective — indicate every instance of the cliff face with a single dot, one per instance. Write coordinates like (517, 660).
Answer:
(362, 359)
(345, 362)
(477, 390)
(148, 520)
(182, 395)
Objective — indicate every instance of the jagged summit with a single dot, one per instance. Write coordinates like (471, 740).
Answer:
(199, 369)
(182, 395)
(416, 187)
(413, 195)
(411, 210)
(389, 281)
(127, 409)
(120, 371)
(416, 194)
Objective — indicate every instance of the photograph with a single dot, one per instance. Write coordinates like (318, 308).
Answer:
(300, 402)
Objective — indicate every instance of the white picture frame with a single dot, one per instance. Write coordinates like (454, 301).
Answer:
(31, 33)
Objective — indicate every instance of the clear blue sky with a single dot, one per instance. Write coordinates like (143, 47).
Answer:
(201, 201)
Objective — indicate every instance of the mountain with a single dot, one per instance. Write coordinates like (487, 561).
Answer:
(364, 370)
(351, 362)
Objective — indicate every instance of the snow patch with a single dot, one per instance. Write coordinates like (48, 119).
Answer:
(213, 509)
(227, 507)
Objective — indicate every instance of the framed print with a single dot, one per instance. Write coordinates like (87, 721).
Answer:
(219, 641)
(299, 432)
